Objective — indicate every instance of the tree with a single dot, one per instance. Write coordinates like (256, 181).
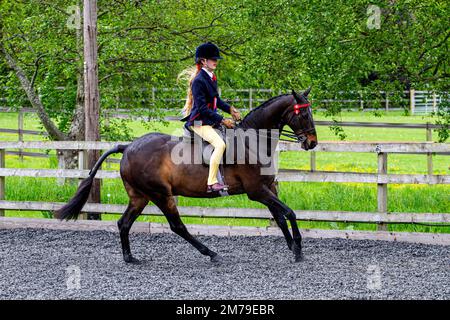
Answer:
(279, 44)
(138, 44)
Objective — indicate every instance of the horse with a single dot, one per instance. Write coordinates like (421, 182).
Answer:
(149, 174)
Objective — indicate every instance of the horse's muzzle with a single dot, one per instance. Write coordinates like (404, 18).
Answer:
(310, 142)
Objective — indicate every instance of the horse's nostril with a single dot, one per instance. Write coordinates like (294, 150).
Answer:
(312, 144)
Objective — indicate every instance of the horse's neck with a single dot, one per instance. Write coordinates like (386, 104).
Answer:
(266, 122)
(268, 117)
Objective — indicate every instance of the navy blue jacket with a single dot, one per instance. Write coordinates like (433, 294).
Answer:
(204, 90)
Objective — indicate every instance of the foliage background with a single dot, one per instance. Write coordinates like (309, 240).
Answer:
(278, 44)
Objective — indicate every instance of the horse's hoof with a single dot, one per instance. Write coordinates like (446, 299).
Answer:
(131, 259)
(216, 258)
(299, 258)
(298, 254)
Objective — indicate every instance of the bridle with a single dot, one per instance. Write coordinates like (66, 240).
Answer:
(290, 135)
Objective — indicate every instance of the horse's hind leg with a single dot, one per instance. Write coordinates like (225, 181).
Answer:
(168, 206)
(135, 207)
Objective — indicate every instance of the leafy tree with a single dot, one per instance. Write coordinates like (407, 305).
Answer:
(140, 46)
(357, 47)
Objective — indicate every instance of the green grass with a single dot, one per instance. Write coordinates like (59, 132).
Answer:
(299, 196)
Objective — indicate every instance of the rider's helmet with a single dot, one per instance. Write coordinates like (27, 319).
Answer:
(208, 51)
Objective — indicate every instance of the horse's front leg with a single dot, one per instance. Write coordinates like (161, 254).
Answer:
(280, 212)
(297, 241)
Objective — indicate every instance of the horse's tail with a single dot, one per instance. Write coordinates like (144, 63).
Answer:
(73, 208)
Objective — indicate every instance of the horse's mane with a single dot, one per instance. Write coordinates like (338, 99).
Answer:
(263, 105)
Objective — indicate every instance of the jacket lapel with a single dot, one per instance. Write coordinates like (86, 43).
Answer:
(209, 80)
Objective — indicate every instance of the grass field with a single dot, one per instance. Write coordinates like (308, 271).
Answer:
(300, 196)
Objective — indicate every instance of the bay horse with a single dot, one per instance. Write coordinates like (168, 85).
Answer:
(149, 174)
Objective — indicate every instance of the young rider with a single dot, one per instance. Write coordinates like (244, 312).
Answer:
(201, 106)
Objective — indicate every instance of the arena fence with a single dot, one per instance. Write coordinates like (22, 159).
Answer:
(381, 179)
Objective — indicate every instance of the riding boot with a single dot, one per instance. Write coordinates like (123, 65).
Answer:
(217, 187)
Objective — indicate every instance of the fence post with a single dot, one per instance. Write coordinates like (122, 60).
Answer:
(2, 180)
(361, 101)
(59, 153)
(429, 154)
(312, 161)
(382, 189)
(20, 125)
(386, 102)
(106, 115)
(250, 99)
(434, 102)
(82, 158)
(412, 101)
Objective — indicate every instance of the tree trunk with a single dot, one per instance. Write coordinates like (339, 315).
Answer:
(52, 129)
(92, 97)
(67, 159)
(77, 128)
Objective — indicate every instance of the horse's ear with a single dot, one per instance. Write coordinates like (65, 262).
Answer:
(296, 96)
(305, 94)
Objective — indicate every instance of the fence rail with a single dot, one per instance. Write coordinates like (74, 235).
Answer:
(428, 126)
(416, 101)
(247, 213)
(382, 179)
(283, 175)
(324, 146)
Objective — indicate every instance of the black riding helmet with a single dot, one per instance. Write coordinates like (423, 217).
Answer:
(208, 51)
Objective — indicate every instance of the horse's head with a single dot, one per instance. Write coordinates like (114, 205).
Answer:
(298, 116)
(288, 109)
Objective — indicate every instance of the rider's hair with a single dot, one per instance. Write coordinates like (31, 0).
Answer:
(189, 74)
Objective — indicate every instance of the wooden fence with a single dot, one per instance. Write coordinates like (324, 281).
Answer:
(381, 178)
(427, 126)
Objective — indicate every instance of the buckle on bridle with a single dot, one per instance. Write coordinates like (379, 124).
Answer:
(301, 138)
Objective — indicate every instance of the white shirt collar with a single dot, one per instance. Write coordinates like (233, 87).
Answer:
(208, 72)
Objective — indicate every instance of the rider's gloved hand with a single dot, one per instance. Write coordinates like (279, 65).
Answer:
(228, 123)
(235, 114)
